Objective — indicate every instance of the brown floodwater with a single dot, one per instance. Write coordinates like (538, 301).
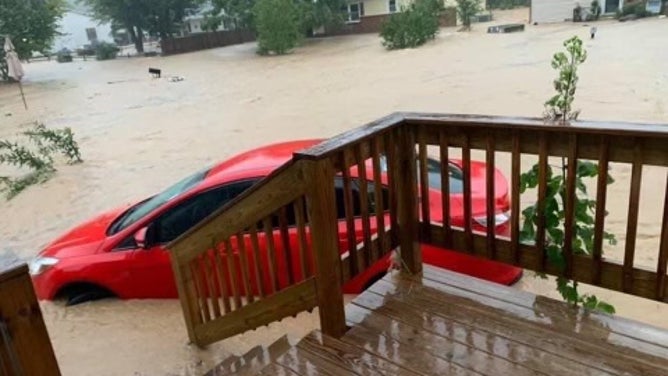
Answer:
(138, 135)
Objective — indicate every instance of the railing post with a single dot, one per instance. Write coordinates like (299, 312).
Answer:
(407, 198)
(324, 237)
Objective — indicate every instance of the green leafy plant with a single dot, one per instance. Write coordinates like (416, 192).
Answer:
(278, 26)
(413, 26)
(559, 108)
(466, 10)
(38, 159)
(595, 10)
(106, 51)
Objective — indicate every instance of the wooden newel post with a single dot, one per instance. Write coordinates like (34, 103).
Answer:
(407, 199)
(324, 236)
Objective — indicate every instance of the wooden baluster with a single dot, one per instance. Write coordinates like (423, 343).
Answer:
(304, 263)
(185, 283)
(210, 285)
(195, 269)
(490, 196)
(466, 169)
(243, 258)
(222, 279)
(324, 235)
(424, 183)
(406, 189)
(515, 198)
(601, 197)
(390, 157)
(376, 147)
(232, 268)
(569, 220)
(257, 260)
(285, 240)
(354, 264)
(632, 224)
(445, 186)
(540, 207)
(271, 253)
(368, 255)
(663, 251)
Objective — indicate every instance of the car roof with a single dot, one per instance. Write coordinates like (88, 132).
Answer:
(258, 162)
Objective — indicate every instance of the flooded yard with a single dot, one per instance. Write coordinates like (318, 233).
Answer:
(138, 134)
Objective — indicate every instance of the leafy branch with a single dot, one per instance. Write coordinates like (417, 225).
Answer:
(38, 160)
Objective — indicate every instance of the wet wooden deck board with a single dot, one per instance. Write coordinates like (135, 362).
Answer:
(441, 322)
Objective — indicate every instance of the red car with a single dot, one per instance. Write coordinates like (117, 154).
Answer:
(108, 255)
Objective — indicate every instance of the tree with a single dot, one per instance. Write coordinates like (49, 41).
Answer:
(466, 9)
(278, 25)
(32, 25)
(413, 26)
(158, 17)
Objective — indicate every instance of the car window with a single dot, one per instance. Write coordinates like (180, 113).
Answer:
(357, 198)
(434, 176)
(181, 218)
(145, 207)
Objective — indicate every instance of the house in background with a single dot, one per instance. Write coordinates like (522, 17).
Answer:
(545, 11)
(366, 16)
(79, 29)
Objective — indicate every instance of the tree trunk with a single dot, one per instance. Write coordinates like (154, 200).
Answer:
(139, 41)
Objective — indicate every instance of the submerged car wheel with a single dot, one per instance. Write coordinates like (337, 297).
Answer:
(84, 292)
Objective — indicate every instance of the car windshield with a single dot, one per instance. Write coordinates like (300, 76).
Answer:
(145, 207)
(434, 174)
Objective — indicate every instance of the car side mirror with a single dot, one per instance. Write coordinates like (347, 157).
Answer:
(144, 237)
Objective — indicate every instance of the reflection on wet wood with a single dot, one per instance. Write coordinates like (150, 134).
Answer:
(444, 323)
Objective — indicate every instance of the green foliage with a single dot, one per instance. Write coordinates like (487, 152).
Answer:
(106, 51)
(278, 26)
(559, 107)
(32, 25)
(556, 195)
(555, 220)
(595, 10)
(37, 156)
(158, 17)
(466, 9)
(638, 9)
(413, 26)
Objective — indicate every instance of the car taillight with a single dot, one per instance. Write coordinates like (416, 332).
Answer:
(499, 219)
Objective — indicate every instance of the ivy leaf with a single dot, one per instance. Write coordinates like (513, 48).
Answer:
(587, 169)
(555, 257)
(605, 307)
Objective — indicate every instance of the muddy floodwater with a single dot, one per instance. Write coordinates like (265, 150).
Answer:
(138, 135)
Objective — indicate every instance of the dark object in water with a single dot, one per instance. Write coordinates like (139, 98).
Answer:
(508, 28)
(155, 72)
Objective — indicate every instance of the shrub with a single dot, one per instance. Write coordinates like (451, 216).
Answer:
(278, 26)
(413, 26)
(638, 9)
(507, 4)
(106, 51)
(595, 9)
(466, 10)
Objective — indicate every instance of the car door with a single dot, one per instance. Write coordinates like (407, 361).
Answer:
(151, 268)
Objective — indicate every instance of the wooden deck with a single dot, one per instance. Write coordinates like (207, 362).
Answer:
(443, 323)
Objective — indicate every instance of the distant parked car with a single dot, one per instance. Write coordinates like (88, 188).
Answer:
(121, 252)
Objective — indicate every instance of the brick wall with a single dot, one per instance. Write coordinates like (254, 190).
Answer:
(203, 41)
(372, 24)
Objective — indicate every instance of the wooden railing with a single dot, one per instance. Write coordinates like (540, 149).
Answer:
(367, 193)
(25, 348)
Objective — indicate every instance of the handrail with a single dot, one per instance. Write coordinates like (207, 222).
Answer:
(378, 172)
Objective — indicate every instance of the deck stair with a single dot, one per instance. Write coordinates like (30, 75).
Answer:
(443, 323)
(253, 361)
